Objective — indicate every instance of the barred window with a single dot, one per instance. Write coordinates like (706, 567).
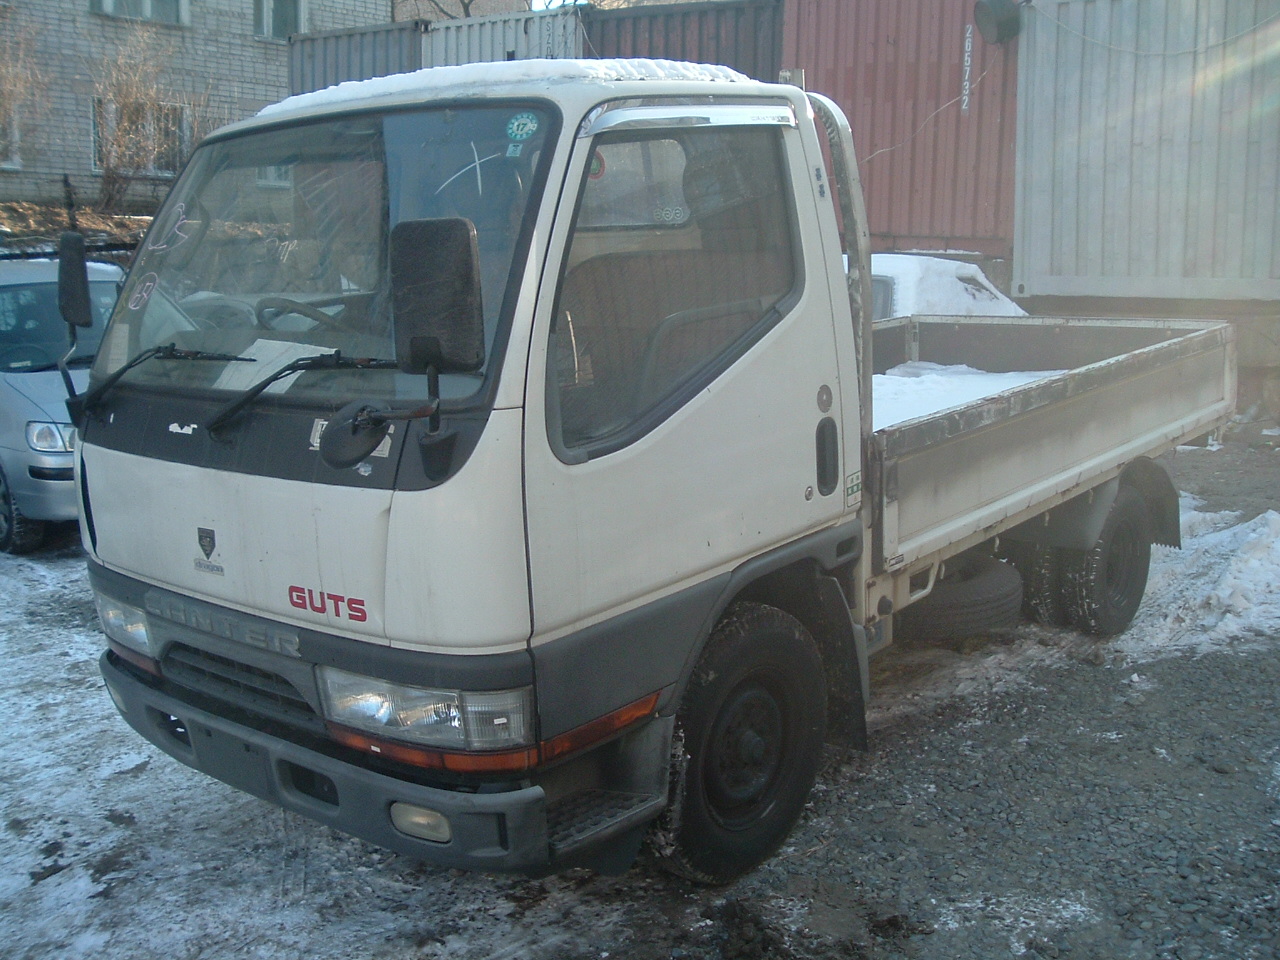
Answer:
(144, 139)
(158, 11)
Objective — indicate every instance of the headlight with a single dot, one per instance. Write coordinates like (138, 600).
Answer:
(51, 437)
(452, 719)
(124, 624)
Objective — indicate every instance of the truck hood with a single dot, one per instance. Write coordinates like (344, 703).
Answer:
(438, 569)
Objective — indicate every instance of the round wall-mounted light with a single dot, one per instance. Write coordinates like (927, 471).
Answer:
(998, 20)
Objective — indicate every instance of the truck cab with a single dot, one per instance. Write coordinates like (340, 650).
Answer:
(468, 640)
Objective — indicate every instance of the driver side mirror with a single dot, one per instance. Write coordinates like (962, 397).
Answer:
(435, 296)
(73, 280)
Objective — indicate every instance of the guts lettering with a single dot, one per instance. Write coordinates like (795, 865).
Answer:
(317, 601)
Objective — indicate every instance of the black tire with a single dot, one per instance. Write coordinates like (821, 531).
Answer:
(979, 593)
(752, 723)
(18, 534)
(1102, 588)
(1041, 570)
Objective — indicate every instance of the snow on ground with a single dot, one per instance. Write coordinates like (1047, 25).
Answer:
(109, 849)
(1219, 589)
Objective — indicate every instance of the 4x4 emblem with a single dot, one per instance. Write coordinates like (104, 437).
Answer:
(207, 541)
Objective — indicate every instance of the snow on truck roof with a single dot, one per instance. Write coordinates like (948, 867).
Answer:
(437, 80)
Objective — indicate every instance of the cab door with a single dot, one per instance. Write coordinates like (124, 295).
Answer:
(683, 396)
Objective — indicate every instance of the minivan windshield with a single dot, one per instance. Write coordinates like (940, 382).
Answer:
(274, 246)
(33, 335)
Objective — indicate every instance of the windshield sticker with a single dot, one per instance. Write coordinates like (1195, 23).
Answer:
(522, 126)
(174, 236)
(515, 149)
(146, 287)
(597, 166)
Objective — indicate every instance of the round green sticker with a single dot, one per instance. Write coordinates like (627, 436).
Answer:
(522, 126)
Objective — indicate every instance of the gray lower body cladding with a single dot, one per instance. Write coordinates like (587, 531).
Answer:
(515, 828)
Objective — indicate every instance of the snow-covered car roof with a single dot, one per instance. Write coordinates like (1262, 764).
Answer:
(15, 272)
(911, 284)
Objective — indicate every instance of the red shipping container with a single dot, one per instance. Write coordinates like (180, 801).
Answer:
(933, 111)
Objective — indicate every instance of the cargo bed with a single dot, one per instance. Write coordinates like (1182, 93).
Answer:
(952, 479)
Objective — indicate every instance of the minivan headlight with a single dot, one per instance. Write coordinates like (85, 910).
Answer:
(450, 719)
(51, 437)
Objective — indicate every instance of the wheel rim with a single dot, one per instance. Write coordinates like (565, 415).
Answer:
(745, 755)
(1123, 560)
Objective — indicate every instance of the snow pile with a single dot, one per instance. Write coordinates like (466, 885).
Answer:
(919, 389)
(1218, 589)
(935, 285)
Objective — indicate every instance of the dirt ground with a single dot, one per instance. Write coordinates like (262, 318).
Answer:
(1030, 794)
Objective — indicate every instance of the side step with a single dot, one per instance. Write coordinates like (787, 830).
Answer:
(597, 814)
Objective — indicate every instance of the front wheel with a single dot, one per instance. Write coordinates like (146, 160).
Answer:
(1103, 587)
(752, 723)
(18, 534)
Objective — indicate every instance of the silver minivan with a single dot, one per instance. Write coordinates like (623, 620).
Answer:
(36, 438)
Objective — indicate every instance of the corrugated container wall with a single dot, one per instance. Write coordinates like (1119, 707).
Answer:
(549, 35)
(319, 60)
(1149, 150)
(933, 111)
(746, 35)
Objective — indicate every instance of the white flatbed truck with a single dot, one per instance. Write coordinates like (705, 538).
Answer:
(479, 461)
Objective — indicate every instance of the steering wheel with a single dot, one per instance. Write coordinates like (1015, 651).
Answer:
(278, 307)
(214, 311)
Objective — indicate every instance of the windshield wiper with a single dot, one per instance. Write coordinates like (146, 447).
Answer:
(92, 397)
(321, 361)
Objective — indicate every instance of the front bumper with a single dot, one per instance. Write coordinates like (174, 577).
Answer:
(42, 485)
(502, 832)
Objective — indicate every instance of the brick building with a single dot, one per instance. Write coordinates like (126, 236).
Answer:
(206, 62)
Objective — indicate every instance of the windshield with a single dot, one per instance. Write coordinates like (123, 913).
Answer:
(273, 246)
(33, 335)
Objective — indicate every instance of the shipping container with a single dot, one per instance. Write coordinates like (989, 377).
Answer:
(1149, 150)
(745, 35)
(320, 60)
(545, 35)
(933, 110)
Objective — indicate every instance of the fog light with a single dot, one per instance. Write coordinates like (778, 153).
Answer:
(421, 823)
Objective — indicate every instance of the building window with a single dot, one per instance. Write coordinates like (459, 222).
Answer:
(158, 11)
(138, 139)
(277, 18)
(10, 159)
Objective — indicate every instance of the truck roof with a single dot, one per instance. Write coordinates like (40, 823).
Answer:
(472, 78)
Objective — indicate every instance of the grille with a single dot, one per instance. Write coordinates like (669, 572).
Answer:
(258, 691)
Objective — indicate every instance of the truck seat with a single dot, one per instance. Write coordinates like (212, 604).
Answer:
(632, 326)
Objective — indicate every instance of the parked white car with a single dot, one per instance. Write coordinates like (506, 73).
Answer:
(36, 438)
(910, 284)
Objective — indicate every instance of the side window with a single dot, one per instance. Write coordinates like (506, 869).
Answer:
(682, 251)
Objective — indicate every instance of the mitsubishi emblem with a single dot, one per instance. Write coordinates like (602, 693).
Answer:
(207, 541)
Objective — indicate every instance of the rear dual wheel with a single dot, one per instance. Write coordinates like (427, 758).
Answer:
(1102, 588)
(1098, 590)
